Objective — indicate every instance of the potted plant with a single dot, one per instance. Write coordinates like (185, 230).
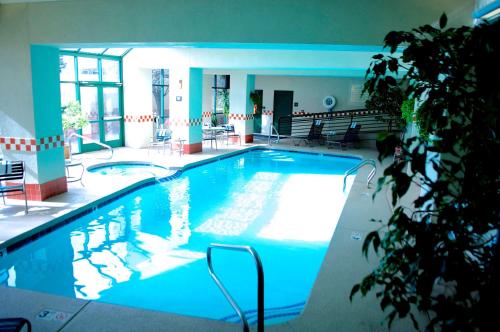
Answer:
(225, 103)
(73, 119)
(439, 260)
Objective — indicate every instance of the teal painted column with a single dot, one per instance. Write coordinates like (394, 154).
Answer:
(51, 179)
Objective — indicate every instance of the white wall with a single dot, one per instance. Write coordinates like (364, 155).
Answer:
(309, 92)
(137, 100)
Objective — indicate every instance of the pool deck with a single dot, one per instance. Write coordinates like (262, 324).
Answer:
(328, 307)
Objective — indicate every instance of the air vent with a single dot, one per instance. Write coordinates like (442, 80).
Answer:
(356, 91)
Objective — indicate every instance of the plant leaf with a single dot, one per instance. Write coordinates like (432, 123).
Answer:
(443, 20)
(354, 290)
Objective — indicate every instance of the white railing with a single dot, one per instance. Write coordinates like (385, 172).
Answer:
(73, 135)
(272, 129)
(260, 283)
(350, 171)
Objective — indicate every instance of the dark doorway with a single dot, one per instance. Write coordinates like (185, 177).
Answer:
(257, 115)
(283, 105)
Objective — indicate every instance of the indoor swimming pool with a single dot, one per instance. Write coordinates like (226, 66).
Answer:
(148, 248)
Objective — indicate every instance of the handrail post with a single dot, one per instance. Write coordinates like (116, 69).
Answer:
(260, 283)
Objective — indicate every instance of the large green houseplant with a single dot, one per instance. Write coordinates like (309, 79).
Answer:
(439, 257)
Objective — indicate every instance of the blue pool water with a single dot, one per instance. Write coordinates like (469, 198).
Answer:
(128, 168)
(148, 248)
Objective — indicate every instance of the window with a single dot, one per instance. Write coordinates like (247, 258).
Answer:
(160, 94)
(110, 71)
(88, 69)
(68, 93)
(95, 81)
(67, 68)
(220, 98)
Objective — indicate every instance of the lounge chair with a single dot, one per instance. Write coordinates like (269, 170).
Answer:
(12, 171)
(315, 134)
(351, 136)
(161, 139)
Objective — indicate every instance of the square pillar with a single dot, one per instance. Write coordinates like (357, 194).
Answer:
(137, 103)
(240, 106)
(186, 85)
(32, 131)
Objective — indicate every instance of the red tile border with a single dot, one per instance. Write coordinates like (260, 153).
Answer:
(138, 118)
(40, 192)
(185, 122)
(192, 148)
(246, 117)
(31, 144)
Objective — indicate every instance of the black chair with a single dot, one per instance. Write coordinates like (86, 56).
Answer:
(210, 134)
(14, 325)
(230, 132)
(13, 171)
(351, 136)
(315, 134)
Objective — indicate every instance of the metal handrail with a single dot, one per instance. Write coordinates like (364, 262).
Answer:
(358, 166)
(260, 283)
(72, 135)
(272, 129)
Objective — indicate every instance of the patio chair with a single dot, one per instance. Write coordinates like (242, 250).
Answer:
(351, 136)
(230, 132)
(12, 171)
(210, 134)
(161, 139)
(14, 325)
(315, 134)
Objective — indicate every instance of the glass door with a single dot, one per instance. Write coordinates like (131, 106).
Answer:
(112, 117)
(102, 105)
(89, 99)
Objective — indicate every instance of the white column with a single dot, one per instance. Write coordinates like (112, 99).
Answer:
(240, 106)
(137, 102)
(186, 85)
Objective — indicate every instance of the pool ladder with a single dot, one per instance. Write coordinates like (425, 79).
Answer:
(272, 130)
(358, 166)
(260, 283)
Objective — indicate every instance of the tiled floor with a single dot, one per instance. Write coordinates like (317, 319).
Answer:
(327, 309)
